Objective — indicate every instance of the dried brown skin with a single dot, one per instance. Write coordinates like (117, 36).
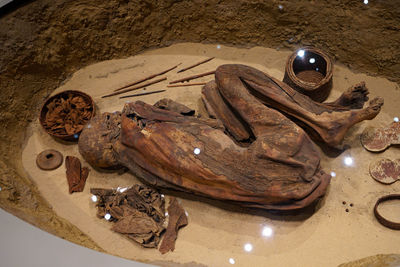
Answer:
(329, 121)
(98, 149)
(216, 105)
(177, 219)
(353, 98)
(269, 163)
(137, 212)
(277, 171)
(171, 105)
(76, 175)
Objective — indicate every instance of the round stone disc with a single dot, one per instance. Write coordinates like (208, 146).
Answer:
(374, 139)
(49, 159)
(385, 171)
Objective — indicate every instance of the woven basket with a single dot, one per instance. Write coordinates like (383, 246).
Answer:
(309, 71)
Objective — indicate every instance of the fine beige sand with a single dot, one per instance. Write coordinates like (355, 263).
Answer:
(216, 236)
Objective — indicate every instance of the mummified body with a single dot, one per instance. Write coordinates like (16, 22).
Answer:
(251, 154)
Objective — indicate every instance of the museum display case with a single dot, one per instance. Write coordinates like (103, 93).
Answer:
(205, 133)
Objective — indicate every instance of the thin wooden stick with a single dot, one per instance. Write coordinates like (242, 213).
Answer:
(135, 88)
(193, 77)
(145, 93)
(187, 84)
(147, 78)
(195, 65)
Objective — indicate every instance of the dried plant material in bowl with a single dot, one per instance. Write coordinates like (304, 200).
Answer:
(65, 114)
(309, 71)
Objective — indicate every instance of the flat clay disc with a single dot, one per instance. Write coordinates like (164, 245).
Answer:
(49, 159)
(385, 171)
(374, 139)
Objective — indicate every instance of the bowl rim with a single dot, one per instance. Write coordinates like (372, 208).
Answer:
(309, 86)
(44, 110)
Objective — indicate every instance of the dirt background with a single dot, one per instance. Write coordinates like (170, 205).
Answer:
(43, 42)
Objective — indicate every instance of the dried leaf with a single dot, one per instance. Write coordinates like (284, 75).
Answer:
(141, 224)
(133, 212)
(76, 175)
(177, 219)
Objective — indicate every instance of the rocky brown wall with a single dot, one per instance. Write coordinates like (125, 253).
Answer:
(43, 41)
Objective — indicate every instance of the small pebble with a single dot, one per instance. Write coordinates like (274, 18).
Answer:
(347, 210)
(344, 202)
(351, 204)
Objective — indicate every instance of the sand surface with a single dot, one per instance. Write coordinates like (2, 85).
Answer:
(216, 236)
